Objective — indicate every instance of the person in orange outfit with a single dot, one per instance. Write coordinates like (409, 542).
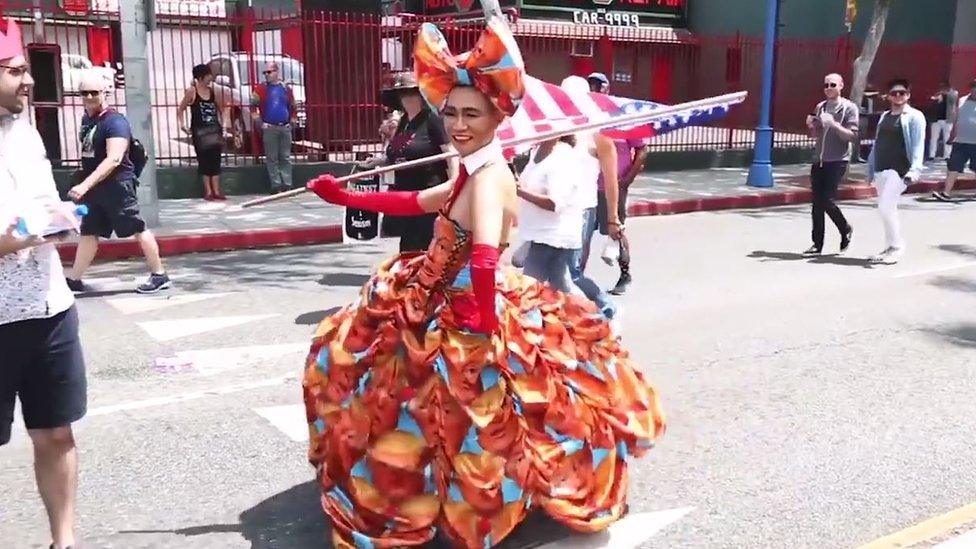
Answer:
(452, 395)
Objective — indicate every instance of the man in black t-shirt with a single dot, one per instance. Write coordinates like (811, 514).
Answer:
(108, 188)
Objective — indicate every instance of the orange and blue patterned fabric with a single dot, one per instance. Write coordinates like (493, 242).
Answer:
(494, 66)
(418, 426)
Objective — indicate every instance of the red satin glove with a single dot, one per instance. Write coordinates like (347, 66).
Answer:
(484, 260)
(392, 203)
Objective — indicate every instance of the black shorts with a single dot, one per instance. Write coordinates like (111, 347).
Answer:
(602, 223)
(962, 154)
(208, 160)
(112, 207)
(43, 366)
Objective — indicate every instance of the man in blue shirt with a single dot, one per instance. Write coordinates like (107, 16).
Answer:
(276, 113)
(108, 187)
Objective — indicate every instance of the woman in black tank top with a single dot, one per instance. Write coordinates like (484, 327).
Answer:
(206, 130)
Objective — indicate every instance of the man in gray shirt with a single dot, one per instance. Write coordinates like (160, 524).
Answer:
(963, 140)
(834, 126)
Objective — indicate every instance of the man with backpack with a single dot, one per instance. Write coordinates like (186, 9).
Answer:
(108, 187)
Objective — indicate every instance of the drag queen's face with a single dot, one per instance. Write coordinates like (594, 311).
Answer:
(470, 119)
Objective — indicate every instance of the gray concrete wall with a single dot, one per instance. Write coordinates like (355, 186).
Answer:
(965, 28)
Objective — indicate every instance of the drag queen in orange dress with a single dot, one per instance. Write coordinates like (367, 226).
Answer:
(452, 396)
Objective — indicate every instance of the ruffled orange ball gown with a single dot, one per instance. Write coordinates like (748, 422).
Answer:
(417, 425)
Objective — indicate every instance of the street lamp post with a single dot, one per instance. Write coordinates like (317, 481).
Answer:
(136, 19)
(761, 171)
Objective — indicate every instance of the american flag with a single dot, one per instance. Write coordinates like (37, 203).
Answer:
(546, 107)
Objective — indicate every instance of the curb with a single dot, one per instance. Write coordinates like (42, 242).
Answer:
(332, 234)
(224, 241)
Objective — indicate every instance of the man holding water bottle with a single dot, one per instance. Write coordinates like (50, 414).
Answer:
(42, 359)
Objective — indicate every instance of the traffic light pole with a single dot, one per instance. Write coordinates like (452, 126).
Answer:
(136, 19)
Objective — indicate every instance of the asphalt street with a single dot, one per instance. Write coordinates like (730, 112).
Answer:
(812, 402)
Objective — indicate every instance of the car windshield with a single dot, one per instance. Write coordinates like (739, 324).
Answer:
(291, 70)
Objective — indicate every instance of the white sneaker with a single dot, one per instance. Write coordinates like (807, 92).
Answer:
(893, 256)
(881, 257)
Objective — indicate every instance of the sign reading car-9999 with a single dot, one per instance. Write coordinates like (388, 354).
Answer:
(615, 18)
(619, 13)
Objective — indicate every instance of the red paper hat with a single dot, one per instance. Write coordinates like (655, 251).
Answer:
(11, 43)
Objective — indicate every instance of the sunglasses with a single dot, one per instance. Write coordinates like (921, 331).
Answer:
(898, 93)
(89, 93)
(269, 72)
(17, 72)
(830, 85)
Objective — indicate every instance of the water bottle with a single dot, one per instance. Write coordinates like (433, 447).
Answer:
(65, 218)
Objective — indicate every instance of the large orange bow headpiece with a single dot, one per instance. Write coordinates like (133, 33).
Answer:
(494, 66)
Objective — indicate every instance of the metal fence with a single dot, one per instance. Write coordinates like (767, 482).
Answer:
(336, 63)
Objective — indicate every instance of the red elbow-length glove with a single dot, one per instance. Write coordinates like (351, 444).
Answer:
(392, 203)
(484, 260)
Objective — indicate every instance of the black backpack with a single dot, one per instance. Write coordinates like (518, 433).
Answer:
(137, 155)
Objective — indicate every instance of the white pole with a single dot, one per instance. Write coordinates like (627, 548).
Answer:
(631, 119)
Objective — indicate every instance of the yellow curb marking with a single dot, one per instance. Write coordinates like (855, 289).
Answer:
(926, 530)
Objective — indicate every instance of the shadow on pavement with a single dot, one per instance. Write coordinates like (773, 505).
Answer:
(961, 334)
(536, 530)
(294, 518)
(956, 283)
(268, 267)
(312, 318)
(827, 259)
(959, 249)
(290, 519)
(344, 279)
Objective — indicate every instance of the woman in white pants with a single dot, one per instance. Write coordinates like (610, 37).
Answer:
(896, 162)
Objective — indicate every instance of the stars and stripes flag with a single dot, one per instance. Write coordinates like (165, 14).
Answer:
(547, 107)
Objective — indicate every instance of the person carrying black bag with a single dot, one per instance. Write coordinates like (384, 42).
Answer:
(209, 126)
(419, 134)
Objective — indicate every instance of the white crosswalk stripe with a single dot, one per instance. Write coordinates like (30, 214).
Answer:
(289, 419)
(168, 330)
(143, 304)
(963, 541)
(217, 361)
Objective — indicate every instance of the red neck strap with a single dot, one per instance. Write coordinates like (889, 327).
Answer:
(462, 178)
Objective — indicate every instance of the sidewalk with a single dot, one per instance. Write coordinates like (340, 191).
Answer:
(188, 226)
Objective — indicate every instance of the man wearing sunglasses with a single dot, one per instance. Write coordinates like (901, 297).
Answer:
(896, 162)
(108, 187)
(277, 112)
(834, 126)
(963, 140)
(42, 362)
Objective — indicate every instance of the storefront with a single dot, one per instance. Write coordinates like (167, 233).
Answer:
(636, 43)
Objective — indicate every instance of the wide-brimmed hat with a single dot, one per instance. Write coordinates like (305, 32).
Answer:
(396, 83)
(403, 80)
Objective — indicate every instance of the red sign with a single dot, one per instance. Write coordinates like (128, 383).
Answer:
(75, 7)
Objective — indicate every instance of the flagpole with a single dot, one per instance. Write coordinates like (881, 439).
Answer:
(636, 118)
